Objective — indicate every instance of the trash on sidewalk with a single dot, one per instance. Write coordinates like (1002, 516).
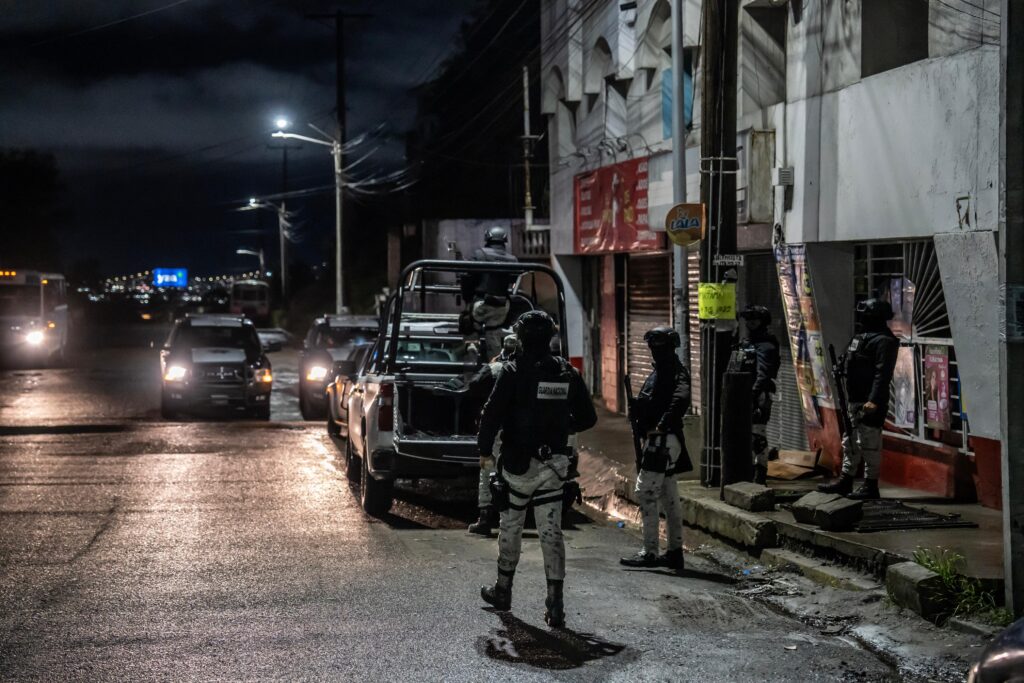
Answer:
(792, 465)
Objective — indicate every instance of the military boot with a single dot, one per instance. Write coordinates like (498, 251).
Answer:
(641, 559)
(554, 615)
(866, 491)
(483, 525)
(500, 596)
(843, 485)
(673, 559)
(760, 474)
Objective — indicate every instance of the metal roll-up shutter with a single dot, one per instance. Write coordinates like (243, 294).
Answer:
(760, 285)
(648, 305)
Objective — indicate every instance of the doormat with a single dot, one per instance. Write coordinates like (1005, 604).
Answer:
(891, 515)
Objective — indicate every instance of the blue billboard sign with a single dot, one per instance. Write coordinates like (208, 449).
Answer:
(176, 278)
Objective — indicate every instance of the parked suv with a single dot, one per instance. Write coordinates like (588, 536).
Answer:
(215, 361)
(327, 346)
(401, 423)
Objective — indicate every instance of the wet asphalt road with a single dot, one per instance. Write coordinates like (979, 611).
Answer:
(136, 549)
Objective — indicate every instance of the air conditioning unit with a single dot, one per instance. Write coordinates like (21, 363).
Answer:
(782, 176)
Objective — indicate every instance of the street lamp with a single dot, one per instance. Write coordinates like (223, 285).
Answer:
(339, 184)
(259, 254)
(282, 123)
(282, 227)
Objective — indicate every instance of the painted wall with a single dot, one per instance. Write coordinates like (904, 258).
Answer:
(864, 172)
(609, 336)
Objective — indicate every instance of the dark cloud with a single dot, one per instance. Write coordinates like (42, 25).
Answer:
(158, 121)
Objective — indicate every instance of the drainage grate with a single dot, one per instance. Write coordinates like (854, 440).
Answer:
(890, 515)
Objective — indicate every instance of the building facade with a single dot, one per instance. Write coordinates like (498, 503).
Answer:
(868, 165)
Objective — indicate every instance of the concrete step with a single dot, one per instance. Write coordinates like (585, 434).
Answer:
(818, 571)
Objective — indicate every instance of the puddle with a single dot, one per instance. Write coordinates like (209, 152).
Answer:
(557, 650)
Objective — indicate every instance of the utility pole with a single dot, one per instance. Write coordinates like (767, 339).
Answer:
(528, 141)
(338, 150)
(718, 193)
(1011, 280)
(282, 242)
(680, 265)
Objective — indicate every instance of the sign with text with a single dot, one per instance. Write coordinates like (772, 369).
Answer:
(936, 387)
(685, 223)
(176, 278)
(716, 301)
(611, 210)
(727, 260)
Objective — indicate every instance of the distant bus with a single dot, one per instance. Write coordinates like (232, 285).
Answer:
(33, 316)
(251, 298)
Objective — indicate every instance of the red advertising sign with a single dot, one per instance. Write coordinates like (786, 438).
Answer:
(611, 210)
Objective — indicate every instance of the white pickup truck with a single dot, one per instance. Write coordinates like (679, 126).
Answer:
(399, 428)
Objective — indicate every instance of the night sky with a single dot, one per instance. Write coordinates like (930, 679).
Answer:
(159, 113)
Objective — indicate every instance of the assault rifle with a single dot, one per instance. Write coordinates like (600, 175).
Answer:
(842, 403)
(634, 424)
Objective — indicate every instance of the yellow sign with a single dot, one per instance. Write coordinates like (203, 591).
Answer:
(716, 301)
(684, 223)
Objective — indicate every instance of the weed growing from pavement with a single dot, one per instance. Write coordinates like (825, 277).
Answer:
(966, 597)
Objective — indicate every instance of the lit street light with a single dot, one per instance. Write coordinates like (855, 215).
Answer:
(282, 230)
(282, 123)
(259, 254)
(336, 152)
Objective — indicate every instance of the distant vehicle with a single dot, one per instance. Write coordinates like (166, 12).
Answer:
(33, 316)
(215, 361)
(398, 426)
(251, 298)
(217, 300)
(327, 344)
(1002, 660)
(346, 372)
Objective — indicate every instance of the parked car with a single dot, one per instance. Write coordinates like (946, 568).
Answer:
(1002, 660)
(215, 361)
(329, 342)
(347, 370)
(399, 427)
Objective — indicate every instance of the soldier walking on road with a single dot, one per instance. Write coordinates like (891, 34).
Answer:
(869, 362)
(658, 412)
(758, 354)
(537, 402)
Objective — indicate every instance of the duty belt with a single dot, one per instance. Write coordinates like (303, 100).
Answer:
(545, 452)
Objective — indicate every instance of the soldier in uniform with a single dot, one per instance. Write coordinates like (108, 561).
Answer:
(488, 292)
(537, 402)
(869, 362)
(659, 409)
(758, 354)
(479, 388)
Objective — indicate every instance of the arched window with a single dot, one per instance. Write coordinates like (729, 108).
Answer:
(561, 121)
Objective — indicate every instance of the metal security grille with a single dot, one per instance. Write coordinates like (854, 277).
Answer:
(648, 305)
(693, 277)
(786, 428)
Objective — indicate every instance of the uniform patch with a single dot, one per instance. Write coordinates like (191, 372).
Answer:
(552, 391)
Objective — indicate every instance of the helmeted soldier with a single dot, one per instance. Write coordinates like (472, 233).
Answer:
(868, 363)
(477, 389)
(537, 402)
(658, 411)
(488, 292)
(758, 354)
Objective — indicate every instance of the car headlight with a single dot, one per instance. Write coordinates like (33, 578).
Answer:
(34, 338)
(316, 374)
(175, 373)
(264, 375)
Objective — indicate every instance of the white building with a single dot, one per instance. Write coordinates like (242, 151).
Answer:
(885, 112)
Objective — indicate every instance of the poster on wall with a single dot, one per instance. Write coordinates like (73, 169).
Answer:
(611, 210)
(804, 330)
(936, 387)
(900, 296)
(904, 393)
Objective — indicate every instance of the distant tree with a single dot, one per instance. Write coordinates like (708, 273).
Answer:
(30, 208)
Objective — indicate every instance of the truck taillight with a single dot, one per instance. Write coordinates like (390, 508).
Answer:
(386, 408)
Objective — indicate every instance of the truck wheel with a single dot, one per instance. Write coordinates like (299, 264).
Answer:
(166, 412)
(333, 428)
(303, 407)
(353, 469)
(262, 412)
(376, 496)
